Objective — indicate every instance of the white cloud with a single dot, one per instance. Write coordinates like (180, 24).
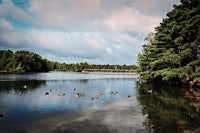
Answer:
(131, 20)
(73, 15)
(66, 44)
(8, 10)
(5, 25)
(106, 48)
(96, 31)
(155, 7)
(64, 13)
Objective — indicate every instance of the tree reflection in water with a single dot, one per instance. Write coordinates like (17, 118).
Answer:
(19, 86)
(168, 109)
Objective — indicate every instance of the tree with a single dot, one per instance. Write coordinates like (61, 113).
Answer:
(171, 54)
(22, 61)
(31, 62)
(6, 59)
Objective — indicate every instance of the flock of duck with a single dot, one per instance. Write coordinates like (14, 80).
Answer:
(78, 95)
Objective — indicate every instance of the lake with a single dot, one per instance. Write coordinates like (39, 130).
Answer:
(92, 103)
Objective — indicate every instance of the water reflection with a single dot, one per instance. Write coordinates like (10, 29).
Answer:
(45, 95)
(39, 105)
(119, 117)
(168, 110)
(122, 105)
(7, 86)
(64, 76)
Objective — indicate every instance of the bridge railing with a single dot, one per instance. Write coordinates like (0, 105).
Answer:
(110, 70)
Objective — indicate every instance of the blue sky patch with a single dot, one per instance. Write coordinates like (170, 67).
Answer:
(19, 24)
(24, 4)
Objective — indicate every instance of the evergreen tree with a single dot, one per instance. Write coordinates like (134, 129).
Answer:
(171, 54)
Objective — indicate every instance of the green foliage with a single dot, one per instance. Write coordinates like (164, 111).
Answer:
(22, 61)
(6, 58)
(19, 68)
(25, 61)
(171, 53)
(78, 67)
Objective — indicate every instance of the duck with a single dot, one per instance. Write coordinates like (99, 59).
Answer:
(77, 95)
(97, 96)
(129, 96)
(25, 86)
(47, 93)
(114, 93)
(61, 94)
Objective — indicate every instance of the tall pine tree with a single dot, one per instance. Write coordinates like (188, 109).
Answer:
(171, 54)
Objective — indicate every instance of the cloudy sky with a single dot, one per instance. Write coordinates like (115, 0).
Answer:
(71, 31)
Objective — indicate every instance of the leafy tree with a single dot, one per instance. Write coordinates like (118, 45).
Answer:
(6, 59)
(22, 61)
(30, 62)
(171, 52)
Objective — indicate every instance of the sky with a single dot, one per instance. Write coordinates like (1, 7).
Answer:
(74, 31)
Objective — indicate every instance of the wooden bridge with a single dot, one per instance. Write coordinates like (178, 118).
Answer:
(111, 70)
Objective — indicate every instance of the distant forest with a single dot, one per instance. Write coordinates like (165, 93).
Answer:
(26, 61)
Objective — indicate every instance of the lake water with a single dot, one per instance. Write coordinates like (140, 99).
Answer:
(106, 103)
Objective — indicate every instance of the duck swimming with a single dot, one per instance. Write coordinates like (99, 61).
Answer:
(97, 96)
(61, 94)
(78, 95)
(25, 86)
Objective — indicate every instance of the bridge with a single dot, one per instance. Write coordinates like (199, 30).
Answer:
(111, 70)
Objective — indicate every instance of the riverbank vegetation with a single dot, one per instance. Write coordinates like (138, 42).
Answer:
(172, 53)
(26, 61)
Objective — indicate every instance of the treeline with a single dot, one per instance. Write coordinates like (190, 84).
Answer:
(78, 67)
(172, 53)
(22, 61)
(26, 61)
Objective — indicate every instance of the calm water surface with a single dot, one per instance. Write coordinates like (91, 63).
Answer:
(108, 103)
